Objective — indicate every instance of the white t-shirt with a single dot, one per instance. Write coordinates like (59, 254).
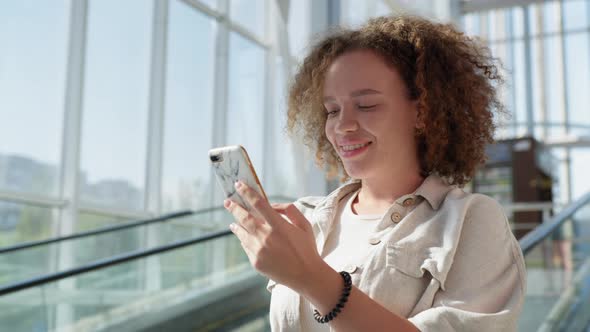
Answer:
(346, 244)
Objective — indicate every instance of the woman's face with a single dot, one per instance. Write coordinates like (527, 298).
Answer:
(371, 121)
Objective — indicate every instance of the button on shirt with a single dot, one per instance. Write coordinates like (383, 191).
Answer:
(448, 262)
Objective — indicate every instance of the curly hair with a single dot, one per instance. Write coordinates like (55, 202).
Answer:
(452, 77)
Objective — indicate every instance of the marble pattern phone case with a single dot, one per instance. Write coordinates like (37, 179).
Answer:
(232, 166)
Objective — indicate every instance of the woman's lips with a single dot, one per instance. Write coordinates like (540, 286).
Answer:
(353, 150)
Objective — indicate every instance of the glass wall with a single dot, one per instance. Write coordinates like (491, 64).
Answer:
(33, 65)
(188, 111)
(212, 69)
(130, 96)
(545, 49)
(115, 103)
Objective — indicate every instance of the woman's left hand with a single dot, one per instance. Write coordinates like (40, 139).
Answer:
(281, 248)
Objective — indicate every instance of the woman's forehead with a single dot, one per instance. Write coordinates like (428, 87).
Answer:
(360, 70)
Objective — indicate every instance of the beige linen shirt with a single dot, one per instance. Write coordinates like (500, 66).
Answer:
(445, 259)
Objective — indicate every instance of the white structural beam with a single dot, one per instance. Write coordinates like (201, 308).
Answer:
(151, 266)
(469, 6)
(32, 199)
(71, 150)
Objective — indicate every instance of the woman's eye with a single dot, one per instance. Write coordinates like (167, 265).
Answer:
(366, 107)
(331, 112)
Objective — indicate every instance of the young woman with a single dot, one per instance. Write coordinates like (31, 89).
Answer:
(403, 108)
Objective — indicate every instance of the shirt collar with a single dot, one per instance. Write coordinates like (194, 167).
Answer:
(434, 190)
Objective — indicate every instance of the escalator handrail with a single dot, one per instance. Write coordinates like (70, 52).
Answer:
(31, 244)
(162, 218)
(541, 232)
(526, 243)
(108, 229)
(117, 259)
(103, 263)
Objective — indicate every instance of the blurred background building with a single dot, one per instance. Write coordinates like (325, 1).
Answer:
(110, 217)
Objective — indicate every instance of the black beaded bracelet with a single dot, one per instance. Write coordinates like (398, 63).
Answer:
(345, 293)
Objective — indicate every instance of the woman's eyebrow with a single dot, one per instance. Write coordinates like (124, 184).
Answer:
(356, 93)
(363, 92)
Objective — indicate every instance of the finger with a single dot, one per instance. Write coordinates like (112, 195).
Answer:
(257, 202)
(241, 233)
(244, 238)
(295, 216)
(245, 219)
(280, 206)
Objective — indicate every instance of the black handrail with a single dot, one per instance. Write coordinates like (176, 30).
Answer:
(118, 259)
(107, 229)
(103, 263)
(528, 242)
(162, 218)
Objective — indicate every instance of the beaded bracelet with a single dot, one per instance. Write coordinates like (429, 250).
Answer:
(345, 293)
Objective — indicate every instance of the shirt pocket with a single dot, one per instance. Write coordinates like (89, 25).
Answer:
(403, 282)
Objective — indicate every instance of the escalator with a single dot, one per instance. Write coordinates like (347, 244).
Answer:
(178, 272)
(187, 272)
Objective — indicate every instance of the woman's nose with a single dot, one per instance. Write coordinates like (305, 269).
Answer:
(346, 122)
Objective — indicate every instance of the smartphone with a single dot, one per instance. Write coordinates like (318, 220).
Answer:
(231, 163)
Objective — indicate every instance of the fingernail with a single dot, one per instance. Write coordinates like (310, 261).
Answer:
(232, 226)
(226, 203)
(238, 184)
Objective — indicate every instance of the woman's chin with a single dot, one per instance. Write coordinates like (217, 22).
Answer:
(356, 172)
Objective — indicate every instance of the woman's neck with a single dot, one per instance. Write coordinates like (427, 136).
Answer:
(377, 195)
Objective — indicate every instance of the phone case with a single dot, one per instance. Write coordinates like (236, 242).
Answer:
(231, 163)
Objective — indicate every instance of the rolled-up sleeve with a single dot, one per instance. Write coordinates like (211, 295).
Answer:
(485, 286)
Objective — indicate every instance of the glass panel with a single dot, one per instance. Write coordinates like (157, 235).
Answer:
(24, 311)
(517, 22)
(551, 17)
(129, 292)
(22, 223)
(535, 14)
(382, 8)
(188, 125)
(471, 24)
(299, 27)
(537, 80)
(282, 175)
(353, 12)
(245, 115)
(32, 262)
(250, 14)
(501, 51)
(114, 129)
(557, 276)
(498, 24)
(543, 287)
(34, 39)
(89, 221)
(519, 81)
(560, 173)
(580, 175)
(577, 53)
(575, 14)
(484, 26)
(553, 80)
